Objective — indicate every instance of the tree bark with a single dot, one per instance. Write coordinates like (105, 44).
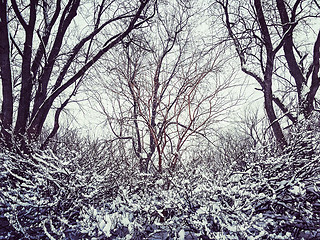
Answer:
(26, 75)
(268, 96)
(5, 73)
(315, 78)
(288, 46)
(68, 15)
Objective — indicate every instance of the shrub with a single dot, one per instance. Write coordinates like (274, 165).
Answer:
(94, 193)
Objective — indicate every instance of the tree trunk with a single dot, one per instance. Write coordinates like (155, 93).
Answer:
(288, 47)
(5, 72)
(268, 98)
(39, 118)
(68, 15)
(26, 76)
(315, 78)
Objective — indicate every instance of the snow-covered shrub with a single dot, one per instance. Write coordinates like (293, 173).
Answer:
(94, 193)
(275, 197)
(42, 194)
(137, 212)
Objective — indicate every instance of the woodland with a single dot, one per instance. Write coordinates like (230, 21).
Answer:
(203, 118)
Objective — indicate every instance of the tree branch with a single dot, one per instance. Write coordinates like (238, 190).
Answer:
(18, 14)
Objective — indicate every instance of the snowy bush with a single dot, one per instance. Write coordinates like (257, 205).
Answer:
(94, 193)
(42, 194)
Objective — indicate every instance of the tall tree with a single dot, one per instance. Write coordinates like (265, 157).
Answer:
(57, 42)
(5, 73)
(165, 88)
(269, 39)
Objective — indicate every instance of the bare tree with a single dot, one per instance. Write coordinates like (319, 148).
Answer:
(269, 39)
(53, 53)
(165, 91)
